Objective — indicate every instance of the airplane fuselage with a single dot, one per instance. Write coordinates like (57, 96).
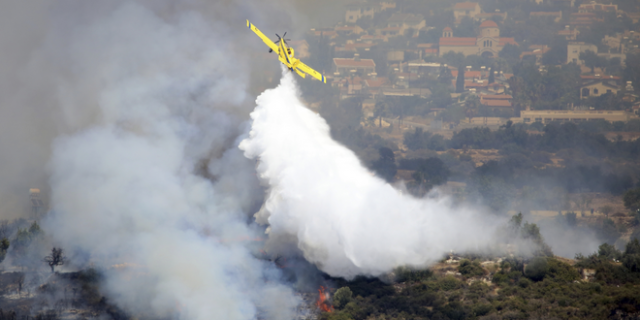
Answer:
(286, 55)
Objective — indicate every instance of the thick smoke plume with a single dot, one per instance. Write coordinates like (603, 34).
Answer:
(344, 219)
(156, 181)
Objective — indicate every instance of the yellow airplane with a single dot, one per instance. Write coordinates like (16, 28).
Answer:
(286, 53)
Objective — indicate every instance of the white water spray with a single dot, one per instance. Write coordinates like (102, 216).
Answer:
(345, 220)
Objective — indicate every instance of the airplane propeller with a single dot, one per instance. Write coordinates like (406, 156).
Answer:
(280, 38)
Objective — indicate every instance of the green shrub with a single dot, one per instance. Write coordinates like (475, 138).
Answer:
(479, 287)
(633, 247)
(563, 302)
(536, 269)
(481, 309)
(470, 268)
(342, 297)
(609, 252)
(449, 283)
(561, 271)
(524, 283)
(631, 262)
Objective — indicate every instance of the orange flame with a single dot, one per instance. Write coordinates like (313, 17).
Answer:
(322, 302)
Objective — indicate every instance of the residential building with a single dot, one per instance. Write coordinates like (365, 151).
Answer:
(348, 30)
(585, 19)
(427, 49)
(501, 101)
(568, 33)
(386, 5)
(491, 16)
(422, 68)
(561, 3)
(327, 33)
(556, 15)
(546, 116)
(487, 43)
(597, 85)
(614, 42)
(536, 50)
(359, 10)
(395, 56)
(574, 49)
(399, 23)
(347, 66)
(353, 47)
(593, 6)
(466, 9)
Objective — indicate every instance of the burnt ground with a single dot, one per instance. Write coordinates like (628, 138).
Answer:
(71, 295)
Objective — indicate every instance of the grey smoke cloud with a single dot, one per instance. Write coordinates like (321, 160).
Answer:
(147, 102)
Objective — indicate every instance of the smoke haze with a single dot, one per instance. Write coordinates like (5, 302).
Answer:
(131, 112)
(345, 220)
(146, 108)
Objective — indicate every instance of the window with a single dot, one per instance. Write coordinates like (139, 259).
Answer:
(595, 90)
(585, 92)
(538, 119)
(527, 119)
(608, 90)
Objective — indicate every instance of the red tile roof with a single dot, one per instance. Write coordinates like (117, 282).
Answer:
(346, 63)
(468, 74)
(447, 29)
(372, 37)
(458, 41)
(355, 46)
(346, 28)
(471, 84)
(488, 24)
(496, 103)
(375, 83)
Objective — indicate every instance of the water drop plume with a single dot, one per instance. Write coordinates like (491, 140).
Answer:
(343, 218)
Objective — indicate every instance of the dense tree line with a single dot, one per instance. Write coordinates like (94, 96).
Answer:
(585, 137)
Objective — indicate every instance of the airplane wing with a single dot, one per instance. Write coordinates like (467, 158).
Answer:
(264, 38)
(310, 71)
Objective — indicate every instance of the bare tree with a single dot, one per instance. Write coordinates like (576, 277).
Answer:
(56, 258)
